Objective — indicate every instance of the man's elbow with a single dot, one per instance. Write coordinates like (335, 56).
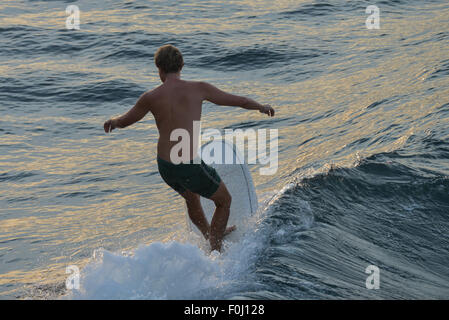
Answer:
(244, 102)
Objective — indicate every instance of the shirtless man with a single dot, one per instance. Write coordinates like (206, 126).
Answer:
(176, 104)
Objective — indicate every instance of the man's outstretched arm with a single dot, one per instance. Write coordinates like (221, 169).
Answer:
(135, 114)
(222, 98)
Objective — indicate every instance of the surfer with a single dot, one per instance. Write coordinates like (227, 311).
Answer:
(177, 104)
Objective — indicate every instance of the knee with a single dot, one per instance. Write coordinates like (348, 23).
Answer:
(224, 201)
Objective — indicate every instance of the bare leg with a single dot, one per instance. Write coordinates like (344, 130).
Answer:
(222, 200)
(196, 212)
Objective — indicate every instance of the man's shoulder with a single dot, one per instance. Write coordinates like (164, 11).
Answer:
(195, 83)
(152, 93)
(195, 86)
(203, 86)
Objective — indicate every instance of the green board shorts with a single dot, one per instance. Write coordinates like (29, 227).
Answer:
(196, 177)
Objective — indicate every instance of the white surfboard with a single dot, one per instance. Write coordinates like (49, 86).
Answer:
(238, 181)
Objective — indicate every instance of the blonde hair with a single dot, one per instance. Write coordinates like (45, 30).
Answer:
(169, 59)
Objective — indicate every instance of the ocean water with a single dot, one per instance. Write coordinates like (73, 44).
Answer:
(363, 120)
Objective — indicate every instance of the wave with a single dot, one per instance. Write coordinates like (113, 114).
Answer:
(63, 88)
(386, 211)
(311, 240)
(311, 9)
(180, 269)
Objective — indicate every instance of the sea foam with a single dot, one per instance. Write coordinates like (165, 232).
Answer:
(171, 270)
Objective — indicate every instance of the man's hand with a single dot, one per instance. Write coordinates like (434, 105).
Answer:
(136, 113)
(110, 125)
(267, 109)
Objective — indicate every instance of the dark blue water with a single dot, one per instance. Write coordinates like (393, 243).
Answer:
(363, 149)
(391, 210)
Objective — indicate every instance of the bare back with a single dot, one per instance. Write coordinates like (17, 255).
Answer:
(175, 104)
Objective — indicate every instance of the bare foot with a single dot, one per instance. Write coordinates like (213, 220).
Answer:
(217, 245)
(229, 230)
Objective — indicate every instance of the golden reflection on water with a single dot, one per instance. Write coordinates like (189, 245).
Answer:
(134, 208)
